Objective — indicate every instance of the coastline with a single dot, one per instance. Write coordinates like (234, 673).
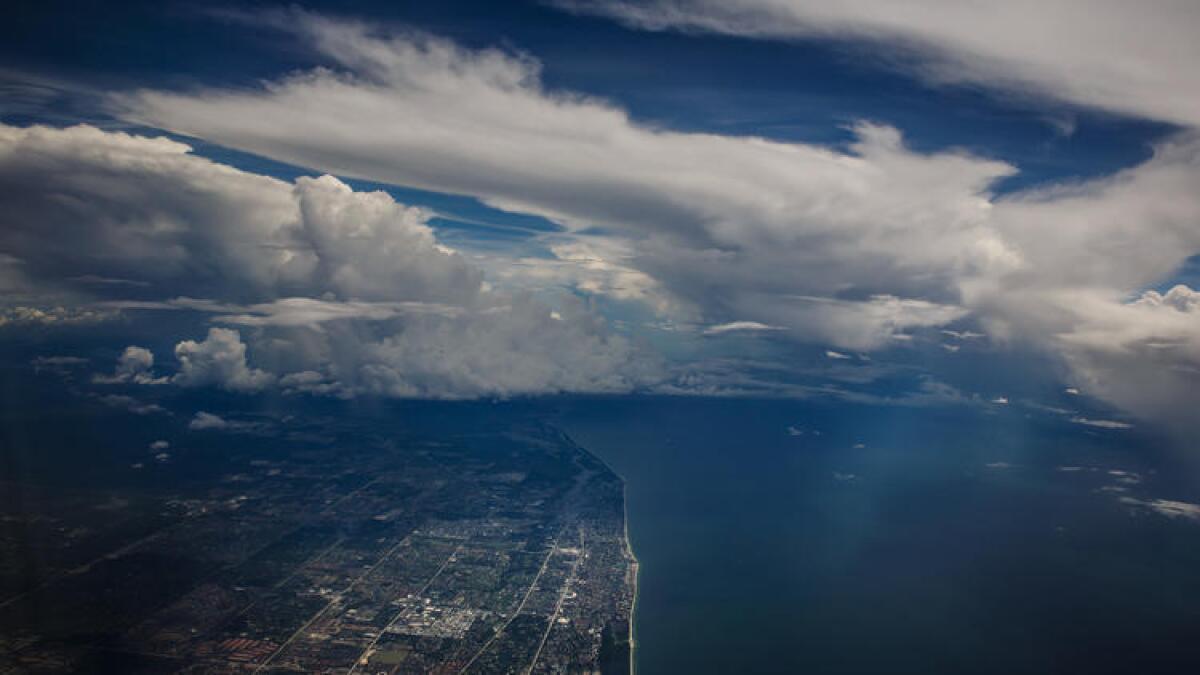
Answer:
(635, 570)
(634, 564)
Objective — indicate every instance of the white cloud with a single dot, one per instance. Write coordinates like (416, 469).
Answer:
(159, 445)
(49, 316)
(1102, 424)
(1167, 507)
(1142, 355)
(135, 361)
(514, 350)
(57, 364)
(963, 334)
(334, 281)
(591, 264)
(1133, 58)
(133, 366)
(113, 205)
(857, 249)
(204, 421)
(313, 312)
(130, 404)
(746, 229)
(739, 327)
(732, 225)
(220, 360)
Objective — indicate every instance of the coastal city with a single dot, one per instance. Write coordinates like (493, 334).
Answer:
(502, 552)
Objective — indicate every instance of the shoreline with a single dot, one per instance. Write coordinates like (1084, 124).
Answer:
(636, 570)
(635, 564)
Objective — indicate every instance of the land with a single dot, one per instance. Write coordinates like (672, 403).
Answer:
(502, 550)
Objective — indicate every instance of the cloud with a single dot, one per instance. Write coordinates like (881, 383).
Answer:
(739, 327)
(1101, 424)
(515, 350)
(1064, 50)
(733, 226)
(590, 264)
(58, 364)
(298, 311)
(312, 312)
(858, 248)
(203, 421)
(106, 281)
(1166, 507)
(133, 366)
(206, 421)
(49, 316)
(963, 334)
(334, 281)
(853, 249)
(130, 404)
(220, 360)
(134, 361)
(1141, 355)
(82, 201)
(159, 445)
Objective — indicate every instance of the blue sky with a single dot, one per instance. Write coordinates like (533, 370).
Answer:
(752, 198)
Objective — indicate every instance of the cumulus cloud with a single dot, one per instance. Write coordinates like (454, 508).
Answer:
(202, 421)
(594, 265)
(853, 249)
(134, 362)
(220, 360)
(348, 291)
(1062, 50)
(109, 204)
(1142, 355)
(347, 284)
(24, 315)
(133, 366)
(732, 226)
(206, 421)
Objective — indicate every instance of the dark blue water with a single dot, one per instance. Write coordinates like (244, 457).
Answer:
(952, 541)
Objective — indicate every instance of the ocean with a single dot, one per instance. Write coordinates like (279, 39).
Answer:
(787, 537)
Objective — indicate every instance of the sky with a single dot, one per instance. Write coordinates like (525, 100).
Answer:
(915, 204)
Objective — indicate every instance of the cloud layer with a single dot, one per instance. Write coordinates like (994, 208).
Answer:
(340, 292)
(1133, 58)
(350, 287)
(853, 249)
